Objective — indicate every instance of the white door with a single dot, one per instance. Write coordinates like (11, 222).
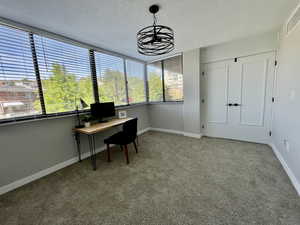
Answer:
(237, 98)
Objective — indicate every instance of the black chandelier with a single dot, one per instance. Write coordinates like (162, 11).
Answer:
(156, 39)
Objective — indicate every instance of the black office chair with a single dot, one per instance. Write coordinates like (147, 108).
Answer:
(123, 138)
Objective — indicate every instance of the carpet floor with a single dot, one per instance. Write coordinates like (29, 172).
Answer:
(172, 180)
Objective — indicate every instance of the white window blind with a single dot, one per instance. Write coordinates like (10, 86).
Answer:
(173, 79)
(65, 74)
(136, 81)
(110, 78)
(18, 87)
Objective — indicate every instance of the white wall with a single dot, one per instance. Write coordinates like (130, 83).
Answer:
(188, 120)
(191, 92)
(244, 47)
(31, 147)
(286, 122)
(238, 48)
(286, 125)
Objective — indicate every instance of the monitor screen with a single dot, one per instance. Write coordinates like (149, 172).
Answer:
(101, 110)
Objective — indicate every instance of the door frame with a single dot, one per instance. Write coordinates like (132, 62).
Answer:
(273, 91)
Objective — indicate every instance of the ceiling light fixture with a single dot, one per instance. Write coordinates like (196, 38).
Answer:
(156, 39)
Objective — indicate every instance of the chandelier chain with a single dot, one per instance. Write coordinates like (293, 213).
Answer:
(154, 19)
(156, 39)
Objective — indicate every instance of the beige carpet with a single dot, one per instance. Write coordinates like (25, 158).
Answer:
(173, 180)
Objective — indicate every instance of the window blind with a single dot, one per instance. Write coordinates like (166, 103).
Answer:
(18, 87)
(111, 78)
(173, 79)
(65, 74)
(136, 81)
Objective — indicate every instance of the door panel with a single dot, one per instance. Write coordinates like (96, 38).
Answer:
(234, 92)
(217, 86)
(253, 92)
(247, 84)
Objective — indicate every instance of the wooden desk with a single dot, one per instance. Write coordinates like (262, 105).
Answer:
(91, 131)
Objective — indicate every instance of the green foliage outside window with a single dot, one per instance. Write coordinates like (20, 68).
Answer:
(62, 88)
(112, 87)
(155, 87)
(136, 90)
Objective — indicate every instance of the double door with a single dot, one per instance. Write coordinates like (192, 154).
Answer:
(237, 98)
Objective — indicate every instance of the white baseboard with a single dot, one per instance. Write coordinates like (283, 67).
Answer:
(193, 135)
(289, 172)
(143, 131)
(166, 130)
(45, 172)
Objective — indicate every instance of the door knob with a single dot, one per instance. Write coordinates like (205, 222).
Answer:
(236, 104)
(229, 104)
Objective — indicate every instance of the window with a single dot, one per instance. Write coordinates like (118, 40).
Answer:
(167, 75)
(154, 71)
(65, 74)
(135, 72)
(110, 78)
(34, 67)
(173, 82)
(18, 87)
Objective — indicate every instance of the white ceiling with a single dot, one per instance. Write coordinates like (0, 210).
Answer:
(113, 24)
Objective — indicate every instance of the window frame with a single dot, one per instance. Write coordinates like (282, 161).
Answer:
(125, 77)
(144, 78)
(38, 77)
(91, 51)
(163, 80)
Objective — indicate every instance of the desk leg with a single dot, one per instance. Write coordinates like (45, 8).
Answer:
(126, 154)
(93, 151)
(108, 153)
(77, 138)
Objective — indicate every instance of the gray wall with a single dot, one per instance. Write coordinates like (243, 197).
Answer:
(185, 116)
(166, 116)
(191, 92)
(287, 108)
(30, 147)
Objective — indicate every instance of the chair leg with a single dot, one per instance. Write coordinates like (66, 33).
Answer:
(137, 140)
(126, 154)
(108, 153)
(136, 149)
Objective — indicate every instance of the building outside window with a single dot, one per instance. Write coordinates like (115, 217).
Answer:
(18, 86)
(65, 74)
(173, 79)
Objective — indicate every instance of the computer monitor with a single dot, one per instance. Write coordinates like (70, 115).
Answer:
(102, 110)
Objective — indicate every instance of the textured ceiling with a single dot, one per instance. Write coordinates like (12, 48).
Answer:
(113, 24)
